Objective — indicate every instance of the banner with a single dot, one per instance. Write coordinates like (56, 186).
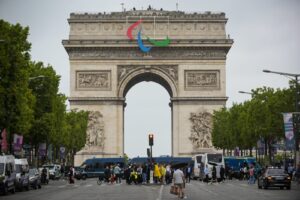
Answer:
(289, 131)
(4, 145)
(50, 151)
(42, 149)
(18, 142)
(62, 151)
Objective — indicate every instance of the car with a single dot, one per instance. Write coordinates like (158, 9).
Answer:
(274, 177)
(54, 171)
(35, 178)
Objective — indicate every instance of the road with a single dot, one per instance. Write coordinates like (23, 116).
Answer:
(89, 190)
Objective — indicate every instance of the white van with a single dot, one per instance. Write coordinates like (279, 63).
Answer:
(211, 159)
(22, 176)
(7, 174)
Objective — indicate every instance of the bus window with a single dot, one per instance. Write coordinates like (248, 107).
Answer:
(216, 158)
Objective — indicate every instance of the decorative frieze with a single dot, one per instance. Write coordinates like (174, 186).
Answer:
(95, 131)
(169, 70)
(93, 80)
(202, 79)
(133, 53)
(201, 130)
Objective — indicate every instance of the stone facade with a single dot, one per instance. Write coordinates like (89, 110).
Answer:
(105, 64)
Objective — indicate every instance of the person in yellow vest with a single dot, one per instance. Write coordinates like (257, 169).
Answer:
(163, 174)
(156, 173)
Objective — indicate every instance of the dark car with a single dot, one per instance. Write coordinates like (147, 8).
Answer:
(274, 177)
(34, 178)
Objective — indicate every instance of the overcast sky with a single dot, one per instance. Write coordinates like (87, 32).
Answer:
(265, 32)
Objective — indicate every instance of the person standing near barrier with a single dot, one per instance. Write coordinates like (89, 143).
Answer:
(117, 172)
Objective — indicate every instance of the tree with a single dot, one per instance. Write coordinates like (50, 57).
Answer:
(16, 100)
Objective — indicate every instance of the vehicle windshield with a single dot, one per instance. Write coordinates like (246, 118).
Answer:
(276, 172)
(1, 168)
(18, 168)
(198, 159)
(216, 158)
(32, 171)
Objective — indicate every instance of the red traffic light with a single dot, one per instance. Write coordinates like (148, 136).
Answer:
(151, 137)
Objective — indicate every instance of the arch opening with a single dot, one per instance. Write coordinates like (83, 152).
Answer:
(145, 114)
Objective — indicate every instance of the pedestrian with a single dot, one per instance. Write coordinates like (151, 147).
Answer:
(117, 172)
(156, 173)
(179, 182)
(218, 173)
(222, 173)
(206, 173)
(214, 174)
(107, 174)
(188, 174)
(168, 174)
(290, 170)
(251, 179)
(71, 175)
(144, 173)
(163, 174)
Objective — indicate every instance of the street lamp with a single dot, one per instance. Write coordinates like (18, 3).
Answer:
(243, 92)
(293, 77)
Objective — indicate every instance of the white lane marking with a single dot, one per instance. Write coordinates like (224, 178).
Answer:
(62, 186)
(160, 192)
(89, 185)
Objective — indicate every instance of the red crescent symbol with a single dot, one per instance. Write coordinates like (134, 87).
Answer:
(129, 30)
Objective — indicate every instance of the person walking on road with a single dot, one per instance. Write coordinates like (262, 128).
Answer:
(206, 173)
(179, 182)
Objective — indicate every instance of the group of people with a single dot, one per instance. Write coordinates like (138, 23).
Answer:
(217, 174)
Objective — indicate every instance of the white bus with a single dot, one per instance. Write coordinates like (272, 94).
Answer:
(211, 159)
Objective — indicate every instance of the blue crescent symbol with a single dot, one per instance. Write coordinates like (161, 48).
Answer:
(141, 45)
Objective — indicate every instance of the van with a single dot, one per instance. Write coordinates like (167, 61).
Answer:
(22, 176)
(54, 171)
(197, 166)
(7, 174)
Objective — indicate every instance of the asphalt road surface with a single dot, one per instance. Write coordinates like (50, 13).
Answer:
(89, 190)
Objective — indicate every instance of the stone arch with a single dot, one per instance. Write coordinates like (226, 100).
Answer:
(143, 74)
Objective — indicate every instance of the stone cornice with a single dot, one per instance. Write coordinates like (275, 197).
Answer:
(96, 99)
(172, 16)
(133, 53)
(130, 43)
(182, 99)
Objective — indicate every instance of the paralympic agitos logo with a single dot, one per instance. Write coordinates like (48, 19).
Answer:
(157, 43)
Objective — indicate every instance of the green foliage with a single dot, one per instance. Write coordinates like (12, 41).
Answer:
(16, 99)
(244, 124)
(75, 134)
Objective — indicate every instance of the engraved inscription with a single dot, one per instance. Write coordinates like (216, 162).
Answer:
(202, 79)
(93, 80)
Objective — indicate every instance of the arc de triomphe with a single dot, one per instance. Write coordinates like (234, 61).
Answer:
(188, 60)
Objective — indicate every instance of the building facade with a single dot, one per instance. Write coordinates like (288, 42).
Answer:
(111, 52)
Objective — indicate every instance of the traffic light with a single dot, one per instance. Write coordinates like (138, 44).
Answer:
(151, 137)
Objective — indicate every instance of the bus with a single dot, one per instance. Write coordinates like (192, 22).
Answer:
(210, 159)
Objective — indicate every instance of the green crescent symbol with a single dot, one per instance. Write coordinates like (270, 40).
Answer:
(160, 43)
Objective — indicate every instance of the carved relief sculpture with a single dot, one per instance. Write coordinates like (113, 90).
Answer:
(89, 80)
(95, 131)
(202, 79)
(201, 130)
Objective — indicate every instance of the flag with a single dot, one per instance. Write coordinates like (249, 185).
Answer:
(4, 141)
(42, 149)
(289, 131)
(18, 142)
